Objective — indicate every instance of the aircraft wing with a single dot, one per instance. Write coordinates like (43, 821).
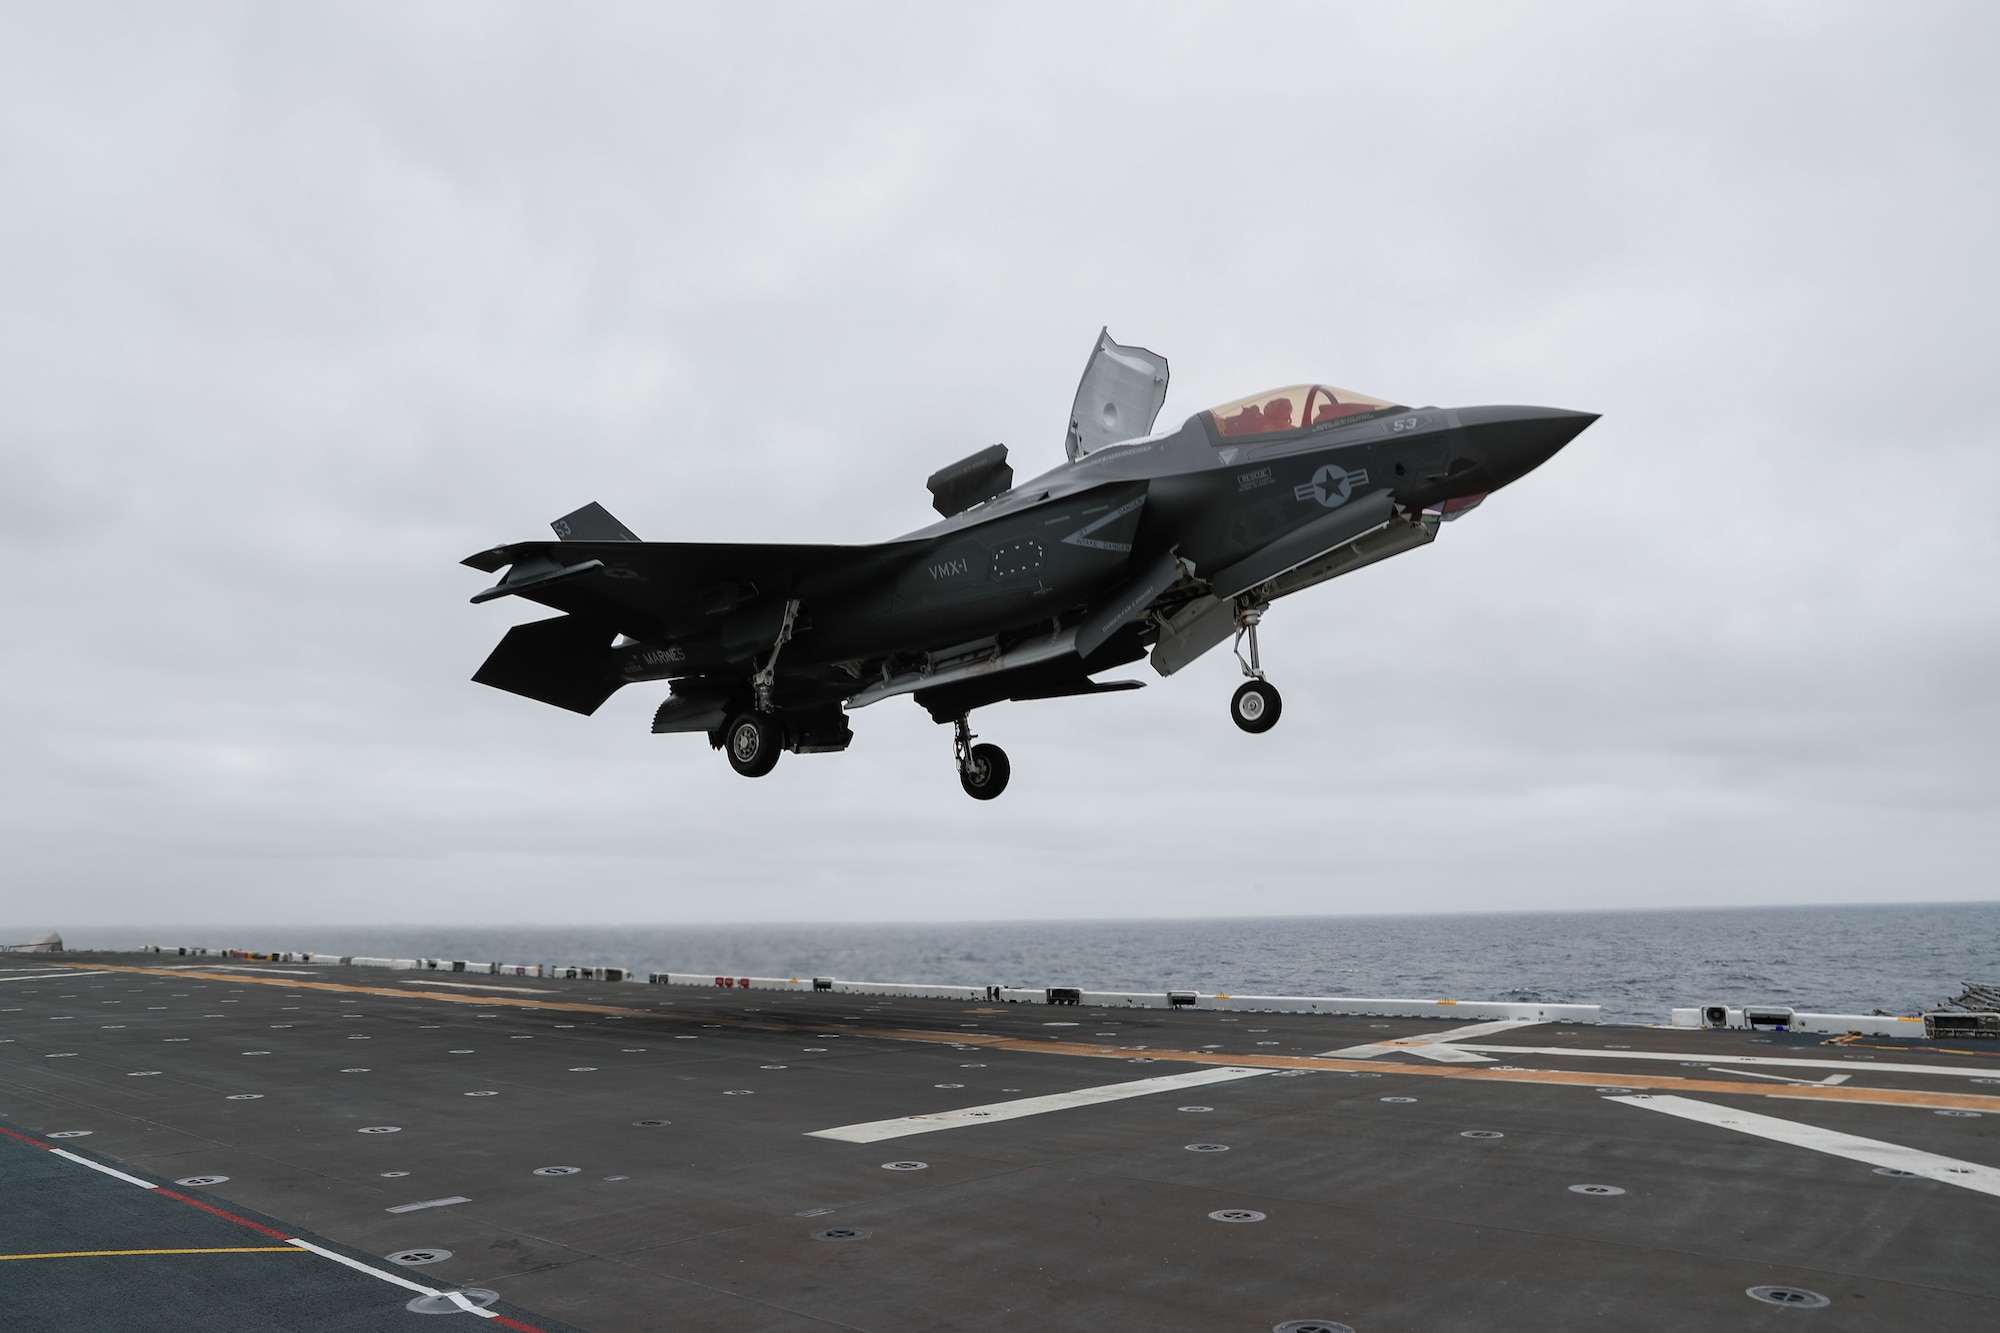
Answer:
(656, 589)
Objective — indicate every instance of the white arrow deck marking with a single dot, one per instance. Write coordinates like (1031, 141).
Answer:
(1436, 1045)
(874, 1131)
(1931, 1166)
(1831, 1080)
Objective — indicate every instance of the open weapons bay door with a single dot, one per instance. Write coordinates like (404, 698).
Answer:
(1119, 397)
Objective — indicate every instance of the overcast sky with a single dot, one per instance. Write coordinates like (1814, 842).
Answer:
(300, 304)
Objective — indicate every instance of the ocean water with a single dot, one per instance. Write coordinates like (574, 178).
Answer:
(1637, 964)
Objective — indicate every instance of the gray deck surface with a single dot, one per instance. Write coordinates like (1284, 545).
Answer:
(1378, 1214)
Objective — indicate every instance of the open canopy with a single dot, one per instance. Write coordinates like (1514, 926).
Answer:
(1292, 408)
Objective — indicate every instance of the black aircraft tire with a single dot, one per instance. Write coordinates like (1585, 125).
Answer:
(1256, 706)
(987, 775)
(753, 744)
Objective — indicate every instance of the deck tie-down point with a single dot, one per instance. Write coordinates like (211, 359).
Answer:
(472, 1299)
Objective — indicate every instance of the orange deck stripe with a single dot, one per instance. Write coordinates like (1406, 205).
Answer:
(1872, 1096)
(566, 1006)
(1956, 1101)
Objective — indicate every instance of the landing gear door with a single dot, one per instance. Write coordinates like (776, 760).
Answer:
(1427, 457)
(1119, 398)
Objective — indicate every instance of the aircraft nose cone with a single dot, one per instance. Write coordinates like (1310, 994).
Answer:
(1514, 441)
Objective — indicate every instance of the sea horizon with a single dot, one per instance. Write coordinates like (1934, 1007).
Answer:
(1637, 962)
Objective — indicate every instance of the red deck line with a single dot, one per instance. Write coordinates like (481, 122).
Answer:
(226, 1216)
(499, 1319)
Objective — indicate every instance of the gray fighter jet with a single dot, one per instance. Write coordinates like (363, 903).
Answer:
(1164, 543)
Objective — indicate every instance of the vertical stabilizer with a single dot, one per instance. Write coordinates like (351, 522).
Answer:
(592, 523)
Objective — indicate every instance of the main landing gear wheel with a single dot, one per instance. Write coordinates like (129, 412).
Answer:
(985, 774)
(753, 744)
(1256, 706)
(983, 770)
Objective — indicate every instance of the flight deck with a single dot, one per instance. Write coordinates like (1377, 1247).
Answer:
(210, 1144)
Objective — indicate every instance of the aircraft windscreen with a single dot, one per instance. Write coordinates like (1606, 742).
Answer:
(1291, 408)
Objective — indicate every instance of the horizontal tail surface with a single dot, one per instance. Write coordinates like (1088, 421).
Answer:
(565, 661)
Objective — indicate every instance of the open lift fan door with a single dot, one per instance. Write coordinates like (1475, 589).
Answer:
(1119, 398)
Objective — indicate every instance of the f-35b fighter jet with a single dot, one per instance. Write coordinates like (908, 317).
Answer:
(1162, 544)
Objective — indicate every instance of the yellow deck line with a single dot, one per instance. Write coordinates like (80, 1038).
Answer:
(94, 1254)
(1956, 1101)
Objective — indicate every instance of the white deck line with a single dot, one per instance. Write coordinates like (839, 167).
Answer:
(99, 1166)
(355, 1264)
(1436, 1045)
(1787, 1062)
(874, 1131)
(1931, 1166)
(372, 1271)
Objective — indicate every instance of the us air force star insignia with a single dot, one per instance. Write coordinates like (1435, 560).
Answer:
(1331, 485)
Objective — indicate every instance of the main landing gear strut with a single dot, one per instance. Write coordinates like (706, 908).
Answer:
(983, 770)
(1256, 704)
(755, 739)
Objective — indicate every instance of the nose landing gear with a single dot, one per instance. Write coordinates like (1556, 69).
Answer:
(1256, 706)
(983, 770)
(1256, 703)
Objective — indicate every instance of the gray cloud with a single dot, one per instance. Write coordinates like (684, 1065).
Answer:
(304, 303)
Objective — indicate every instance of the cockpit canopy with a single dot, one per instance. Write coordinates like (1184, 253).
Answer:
(1292, 408)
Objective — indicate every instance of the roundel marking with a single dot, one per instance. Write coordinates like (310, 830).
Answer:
(1331, 485)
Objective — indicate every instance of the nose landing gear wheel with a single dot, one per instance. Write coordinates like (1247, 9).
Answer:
(1256, 706)
(985, 772)
(753, 744)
